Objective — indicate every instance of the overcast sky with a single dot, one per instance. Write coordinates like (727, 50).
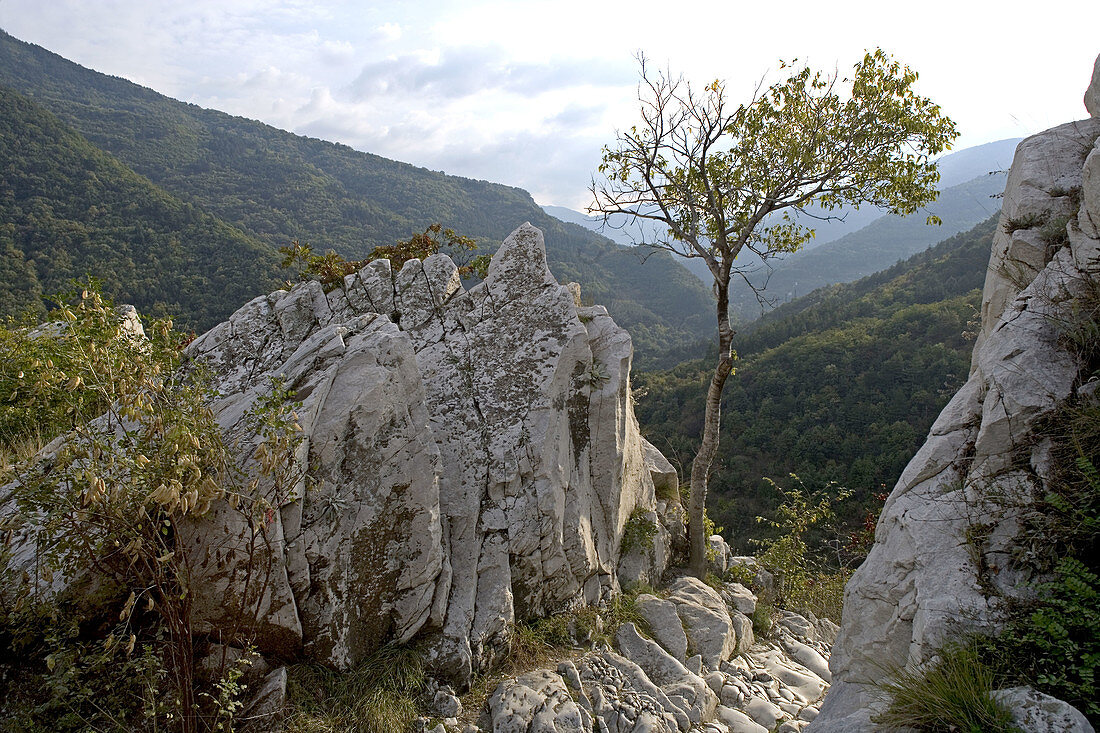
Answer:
(526, 93)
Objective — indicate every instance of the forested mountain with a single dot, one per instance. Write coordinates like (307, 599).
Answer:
(841, 385)
(274, 186)
(68, 209)
(875, 247)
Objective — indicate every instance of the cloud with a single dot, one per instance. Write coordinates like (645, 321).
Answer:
(458, 72)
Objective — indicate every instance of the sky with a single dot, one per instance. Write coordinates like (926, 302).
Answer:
(527, 93)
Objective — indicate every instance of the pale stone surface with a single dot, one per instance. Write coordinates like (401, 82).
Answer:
(689, 692)
(665, 624)
(739, 722)
(706, 620)
(353, 561)
(264, 712)
(925, 580)
(1036, 712)
(536, 701)
(1092, 94)
(473, 457)
(1044, 165)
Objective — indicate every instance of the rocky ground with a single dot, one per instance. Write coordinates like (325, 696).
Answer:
(694, 665)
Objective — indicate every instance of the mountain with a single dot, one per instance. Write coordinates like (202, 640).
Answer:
(840, 385)
(68, 209)
(875, 247)
(273, 187)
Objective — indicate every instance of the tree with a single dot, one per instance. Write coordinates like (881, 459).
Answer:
(721, 183)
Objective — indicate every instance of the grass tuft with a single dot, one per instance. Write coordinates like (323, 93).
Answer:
(952, 693)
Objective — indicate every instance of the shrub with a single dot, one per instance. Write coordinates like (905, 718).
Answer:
(1053, 643)
(142, 455)
(802, 583)
(638, 533)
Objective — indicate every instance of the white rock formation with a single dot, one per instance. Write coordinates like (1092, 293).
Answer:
(642, 686)
(1092, 94)
(944, 540)
(472, 458)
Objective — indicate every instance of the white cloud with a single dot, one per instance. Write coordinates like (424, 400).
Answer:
(525, 93)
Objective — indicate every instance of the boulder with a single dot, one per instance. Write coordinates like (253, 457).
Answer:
(536, 701)
(686, 690)
(706, 620)
(1036, 712)
(473, 459)
(664, 623)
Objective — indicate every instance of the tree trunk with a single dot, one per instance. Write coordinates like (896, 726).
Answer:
(708, 446)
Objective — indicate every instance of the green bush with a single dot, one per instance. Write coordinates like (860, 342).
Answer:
(802, 582)
(1053, 643)
(638, 533)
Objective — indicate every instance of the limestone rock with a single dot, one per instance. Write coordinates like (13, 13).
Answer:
(665, 624)
(264, 712)
(689, 692)
(1046, 164)
(473, 459)
(1092, 94)
(536, 701)
(353, 560)
(1036, 712)
(739, 722)
(706, 619)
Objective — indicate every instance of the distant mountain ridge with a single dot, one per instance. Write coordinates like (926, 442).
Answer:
(273, 187)
(861, 242)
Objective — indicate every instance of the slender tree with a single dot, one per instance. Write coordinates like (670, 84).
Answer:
(732, 185)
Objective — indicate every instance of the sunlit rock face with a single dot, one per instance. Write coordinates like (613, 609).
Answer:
(471, 457)
(930, 577)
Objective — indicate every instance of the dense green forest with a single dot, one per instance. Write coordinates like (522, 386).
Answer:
(270, 187)
(841, 385)
(69, 210)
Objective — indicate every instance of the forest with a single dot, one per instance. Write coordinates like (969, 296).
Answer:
(840, 385)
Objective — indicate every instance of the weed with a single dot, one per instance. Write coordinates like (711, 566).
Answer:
(762, 621)
(1027, 221)
(951, 693)
(380, 695)
(638, 533)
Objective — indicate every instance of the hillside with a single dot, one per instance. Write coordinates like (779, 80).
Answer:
(857, 242)
(875, 247)
(840, 385)
(275, 186)
(69, 210)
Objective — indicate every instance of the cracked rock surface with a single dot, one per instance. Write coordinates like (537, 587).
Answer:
(472, 458)
(642, 687)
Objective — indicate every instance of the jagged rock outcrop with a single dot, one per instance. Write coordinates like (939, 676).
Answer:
(471, 457)
(940, 566)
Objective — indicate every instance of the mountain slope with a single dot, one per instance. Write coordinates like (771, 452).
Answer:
(882, 243)
(839, 386)
(275, 186)
(70, 210)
